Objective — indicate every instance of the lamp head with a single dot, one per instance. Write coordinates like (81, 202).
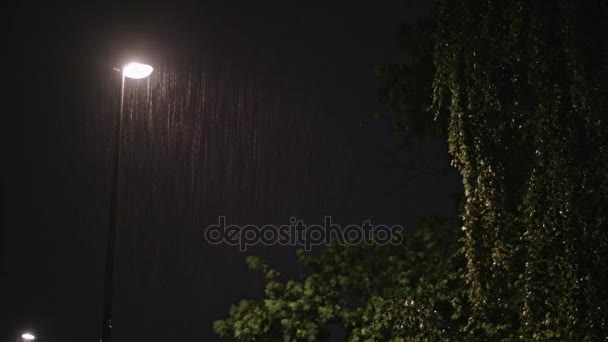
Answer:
(137, 70)
(28, 336)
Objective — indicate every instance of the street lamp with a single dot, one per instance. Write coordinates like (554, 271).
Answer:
(136, 71)
(27, 337)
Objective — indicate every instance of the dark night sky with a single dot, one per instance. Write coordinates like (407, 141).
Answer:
(287, 129)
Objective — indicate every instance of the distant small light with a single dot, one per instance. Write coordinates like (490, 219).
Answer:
(28, 337)
(137, 70)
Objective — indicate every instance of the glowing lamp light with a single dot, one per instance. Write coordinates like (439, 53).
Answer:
(28, 337)
(137, 70)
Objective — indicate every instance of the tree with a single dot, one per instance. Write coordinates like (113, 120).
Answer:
(407, 292)
(522, 86)
(406, 87)
(519, 90)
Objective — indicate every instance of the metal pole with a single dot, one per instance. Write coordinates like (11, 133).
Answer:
(108, 288)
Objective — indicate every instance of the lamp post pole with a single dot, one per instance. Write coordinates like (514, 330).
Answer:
(137, 71)
(108, 285)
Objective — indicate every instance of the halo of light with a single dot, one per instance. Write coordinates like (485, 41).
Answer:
(137, 70)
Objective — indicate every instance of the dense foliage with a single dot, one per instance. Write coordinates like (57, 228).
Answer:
(405, 292)
(523, 86)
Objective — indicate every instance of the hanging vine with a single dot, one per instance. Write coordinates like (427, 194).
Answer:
(523, 85)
